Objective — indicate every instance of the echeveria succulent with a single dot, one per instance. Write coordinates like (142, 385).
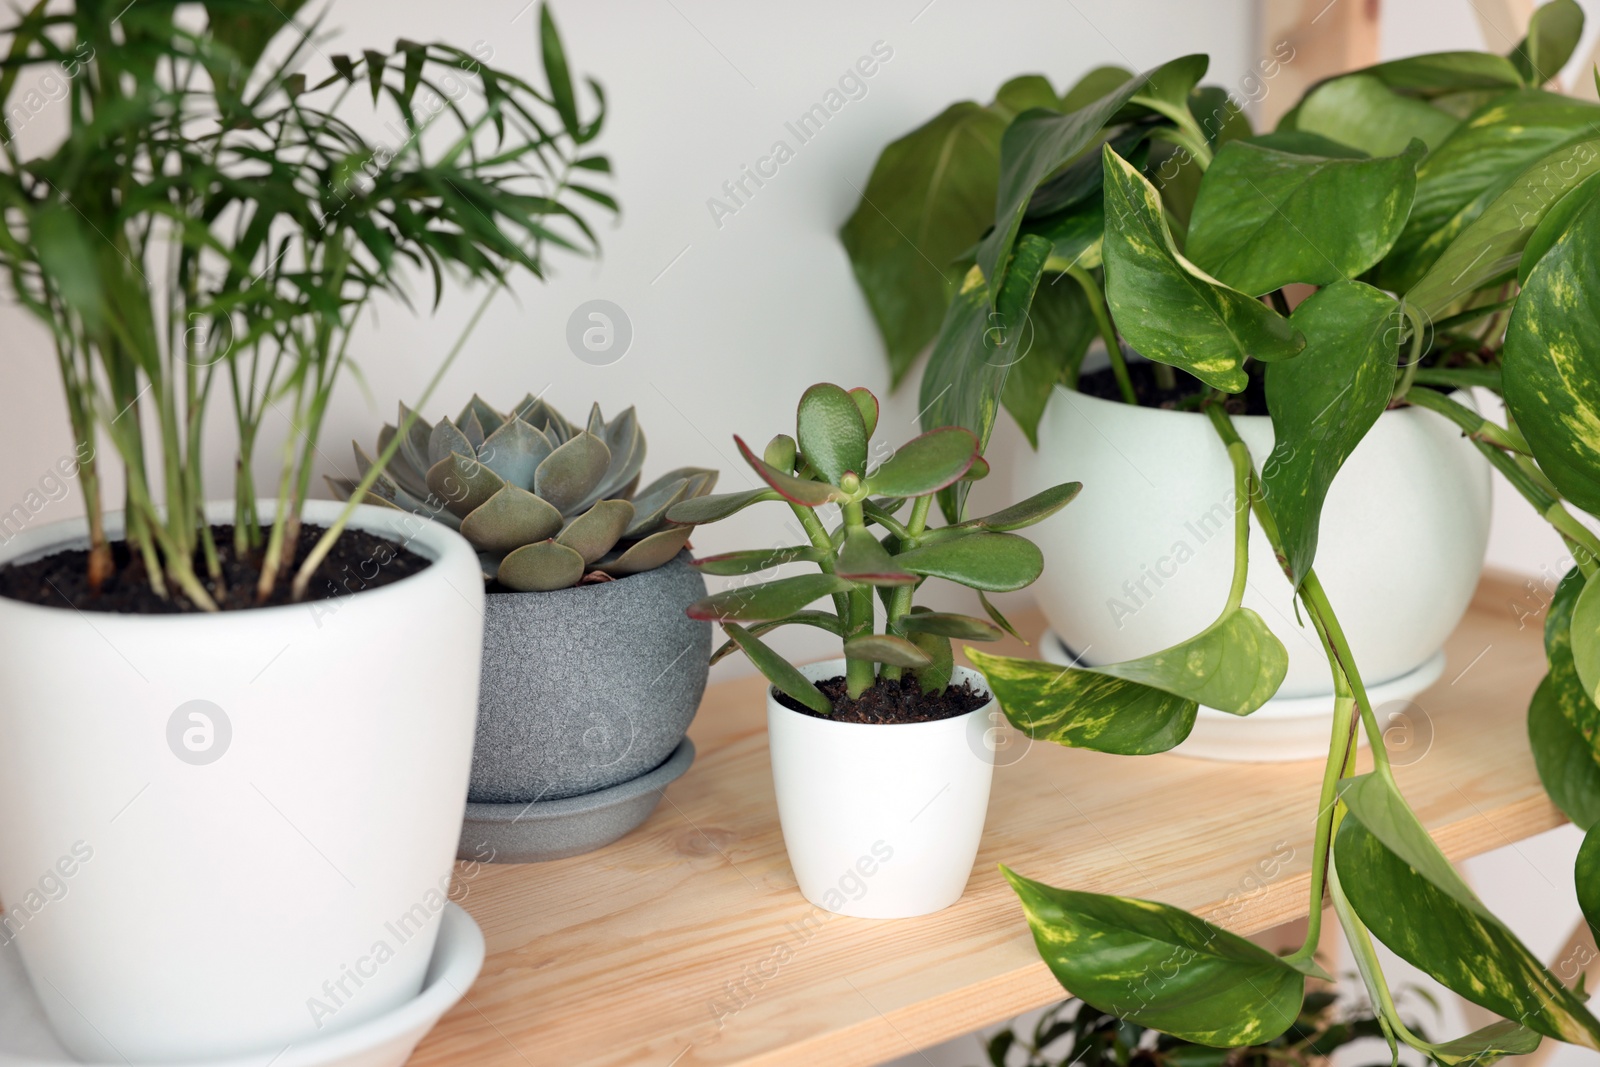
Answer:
(826, 463)
(547, 504)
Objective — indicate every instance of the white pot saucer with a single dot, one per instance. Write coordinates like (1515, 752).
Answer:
(387, 1041)
(1285, 729)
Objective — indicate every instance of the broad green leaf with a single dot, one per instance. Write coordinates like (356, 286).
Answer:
(1483, 1047)
(992, 562)
(1585, 637)
(1025, 513)
(1464, 173)
(1361, 111)
(1167, 87)
(925, 464)
(1161, 967)
(1056, 335)
(1552, 362)
(1553, 34)
(803, 491)
(1265, 218)
(1561, 712)
(1323, 402)
(1436, 74)
(1026, 91)
(946, 624)
(1233, 665)
(712, 508)
(1080, 708)
(1457, 942)
(1093, 85)
(1559, 215)
(1306, 143)
(778, 670)
(1587, 876)
(1384, 814)
(1493, 245)
(69, 261)
(755, 560)
(766, 601)
(832, 436)
(863, 559)
(886, 648)
(1167, 308)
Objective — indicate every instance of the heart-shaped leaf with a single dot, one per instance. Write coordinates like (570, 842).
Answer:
(1556, 219)
(802, 491)
(767, 600)
(509, 519)
(832, 436)
(541, 567)
(593, 533)
(1359, 110)
(946, 624)
(569, 473)
(755, 560)
(863, 559)
(886, 648)
(1082, 709)
(1486, 1045)
(1235, 665)
(992, 562)
(1560, 714)
(778, 670)
(1167, 308)
(720, 506)
(1161, 967)
(1265, 218)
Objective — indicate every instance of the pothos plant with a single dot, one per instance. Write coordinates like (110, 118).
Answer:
(212, 222)
(873, 548)
(1441, 213)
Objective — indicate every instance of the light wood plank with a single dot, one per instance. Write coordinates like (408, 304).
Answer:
(627, 955)
(1305, 41)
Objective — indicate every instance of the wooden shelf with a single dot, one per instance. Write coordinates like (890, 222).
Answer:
(687, 943)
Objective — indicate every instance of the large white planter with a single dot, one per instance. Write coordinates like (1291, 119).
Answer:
(170, 908)
(881, 822)
(1143, 558)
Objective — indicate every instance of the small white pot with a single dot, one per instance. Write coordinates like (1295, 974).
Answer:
(223, 834)
(881, 822)
(1143, 558)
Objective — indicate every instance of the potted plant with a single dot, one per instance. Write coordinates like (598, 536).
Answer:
(591, 671)
(881, 760)
(239, 732)
(1476, 268)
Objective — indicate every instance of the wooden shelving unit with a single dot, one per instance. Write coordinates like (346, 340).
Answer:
(687, 943)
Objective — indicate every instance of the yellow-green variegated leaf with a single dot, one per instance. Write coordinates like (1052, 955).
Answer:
(1588, 879)
(1082, 709)
(1563, 721)
(1552, 361)
(1406, 893)
(1572, 643)
(1161, 967)
(1233, 665)
(1167, 308)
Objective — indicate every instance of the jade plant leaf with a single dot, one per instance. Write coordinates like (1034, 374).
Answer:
(778, 670)
(1552, 362)
(947, 624)
(1025, 513)
(941, 667)
(863, 559)
(463, 483)
(1323, 402)
(648, 554)
(767, 600)
(719, 506)
(1409, 896)
(593, 533)
(1233, 665)
(796, 490)
(1587, 876)
(1161, 967)
(1553, 33)
(926, 464)
(1265, 218)
(867, 404)
(992, 562)
(1167, 308)
(541, 567)
(822, 620)
(757, 559)
(1080, 708)
(508, 519)
(886, 648)
(832, 434)
(575, 467)
(781, 452)
(1361, 111)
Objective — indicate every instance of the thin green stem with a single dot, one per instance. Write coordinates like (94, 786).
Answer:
(900, 600)
(1243, 476)
(1474, 425)
(1108, 333)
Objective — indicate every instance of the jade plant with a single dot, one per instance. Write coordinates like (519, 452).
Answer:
(875, 551)
(546, 503)
(1416, 227)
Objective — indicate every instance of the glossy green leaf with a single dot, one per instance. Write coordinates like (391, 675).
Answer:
(1560, 215)
(863, 559)
(540, 568)
(867, 404)
(754, 560)
(946, 624)
(803, 491)
(1265, 218)
(1361, 111)
(1080, 708)
(1093, 85)
(778, 670)
(1056, 336)
(1436, 74)
(1552, 362)
(1407, 894)
(720, 506)
(1587, 876)
(1025, 513)
(1235, 665)
(782, 452)
(822, 620)
(937, 675)
(1161, 967)
(1487, 1045)
(766, 601)
(1585, 637)
(1323, 402)
(1499, 239)
(832, 436)
(993, 562)
(925, 464)
(886, 648)
(1168, 309)
(1306, 143)
(1553, 33)
(1561, 711)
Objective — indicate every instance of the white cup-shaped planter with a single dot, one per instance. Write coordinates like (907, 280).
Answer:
(881, 821)
(222, 834)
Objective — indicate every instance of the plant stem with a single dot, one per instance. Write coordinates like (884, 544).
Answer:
(900, 602)
(859, 674)
(1475, 426)
(1243, 476)
(1108, 333)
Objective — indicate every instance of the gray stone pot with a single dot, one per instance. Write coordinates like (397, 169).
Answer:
(587, 687)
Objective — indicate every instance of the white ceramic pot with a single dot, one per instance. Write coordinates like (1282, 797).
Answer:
(881, 822)
(223, 834)
(1143, 558)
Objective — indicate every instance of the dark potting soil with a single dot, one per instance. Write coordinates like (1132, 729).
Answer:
(1185, 394)
(890, 701)
(359, 561)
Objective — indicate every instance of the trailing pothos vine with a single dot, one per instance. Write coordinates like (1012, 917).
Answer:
(1411, 230)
